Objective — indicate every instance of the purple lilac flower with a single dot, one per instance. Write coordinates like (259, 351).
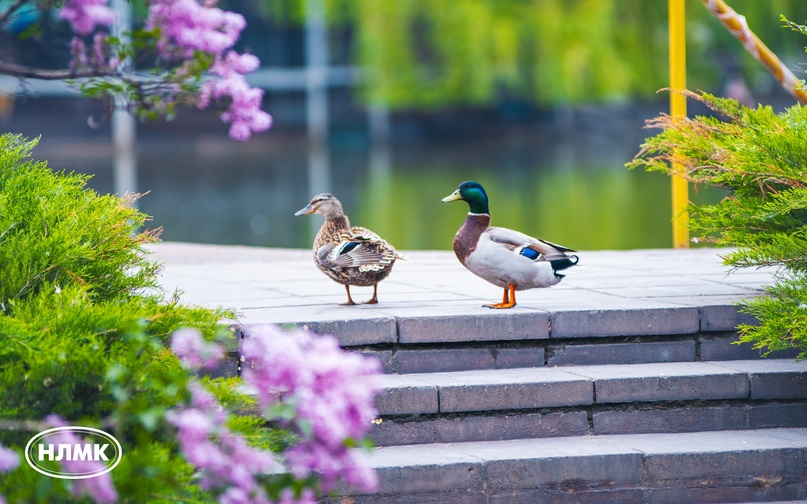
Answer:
(333, 394)
(78, 51)
(307, 497)
(223, 458)
(85, 15)
(9, 459)
(194, 351)
(99, 488)
(244, 113)
(187, 26)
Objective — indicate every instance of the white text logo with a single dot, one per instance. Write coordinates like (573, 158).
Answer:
(98, 453)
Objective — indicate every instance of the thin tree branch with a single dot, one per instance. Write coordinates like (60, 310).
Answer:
(25, 72)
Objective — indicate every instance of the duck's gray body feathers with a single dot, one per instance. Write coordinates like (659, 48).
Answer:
(498, 255)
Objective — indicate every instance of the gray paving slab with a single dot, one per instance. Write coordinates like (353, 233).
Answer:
(529, 463)
(653, 462)
(771, 415)
(622, 353)
(500, 427)
(504, 389)
(424, 360)
(417, 325)
(545, 387)
(625, 317)
(773, 379)
(571, 493)
(661, 291)
(674, 381)
(406, 395)
(438, 468)
(691, 419)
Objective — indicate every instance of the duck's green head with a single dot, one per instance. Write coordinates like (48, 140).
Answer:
(472, 193)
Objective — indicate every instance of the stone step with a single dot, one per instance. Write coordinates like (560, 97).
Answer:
(472, 354)
(721, 466)
(599, 399)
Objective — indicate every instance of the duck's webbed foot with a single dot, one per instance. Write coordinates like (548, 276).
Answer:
(350, 301)
(374, 299)
(507, 301)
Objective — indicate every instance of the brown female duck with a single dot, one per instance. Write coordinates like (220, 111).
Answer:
(349, 255)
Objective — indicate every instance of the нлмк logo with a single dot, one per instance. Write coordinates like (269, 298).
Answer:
(98, 453)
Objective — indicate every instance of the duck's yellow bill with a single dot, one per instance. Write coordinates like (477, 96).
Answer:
(452, 197)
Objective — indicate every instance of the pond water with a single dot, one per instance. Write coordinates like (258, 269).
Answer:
(576, 192)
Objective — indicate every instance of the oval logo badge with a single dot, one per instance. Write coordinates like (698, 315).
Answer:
(96, 446)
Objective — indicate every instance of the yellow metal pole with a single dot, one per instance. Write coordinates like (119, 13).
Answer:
(678, 108)
(738, 27)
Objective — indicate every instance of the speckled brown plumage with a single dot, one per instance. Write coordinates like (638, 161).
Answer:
(349, 255)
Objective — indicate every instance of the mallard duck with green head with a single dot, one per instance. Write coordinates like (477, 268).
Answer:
(503, 257)
(349, 255)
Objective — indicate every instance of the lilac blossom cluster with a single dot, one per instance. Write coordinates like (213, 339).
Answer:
(9, 460)
(245, 114)
(193, 351)
(225, 461)
(85, 16)
(99, 488)
(185, 28)
(332, 393)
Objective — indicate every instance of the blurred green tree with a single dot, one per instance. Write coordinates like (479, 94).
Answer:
(434, 53)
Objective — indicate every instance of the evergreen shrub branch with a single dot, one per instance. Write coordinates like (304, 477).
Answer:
(84, 331)
(760, 158)
(87, 339)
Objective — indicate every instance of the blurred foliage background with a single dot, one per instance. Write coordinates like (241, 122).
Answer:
(433, 53)
(541, 101)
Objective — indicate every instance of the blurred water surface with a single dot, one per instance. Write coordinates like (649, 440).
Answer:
(570, 191)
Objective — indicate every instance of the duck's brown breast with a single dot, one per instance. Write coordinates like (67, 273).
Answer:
(468, 235)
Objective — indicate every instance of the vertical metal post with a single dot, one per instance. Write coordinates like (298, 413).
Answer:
(316, 51)
(378, 120)
(678, 108)
(316, 93)
(124, 127)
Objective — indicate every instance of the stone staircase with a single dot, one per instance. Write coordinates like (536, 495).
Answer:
(621, 385)
(637, 406)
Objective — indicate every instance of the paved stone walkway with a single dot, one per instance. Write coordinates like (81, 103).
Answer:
(282, 285)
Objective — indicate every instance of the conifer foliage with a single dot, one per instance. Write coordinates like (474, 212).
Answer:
(760, 158)
(87, 339)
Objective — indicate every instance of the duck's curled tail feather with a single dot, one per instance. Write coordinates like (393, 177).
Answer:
(562, 264)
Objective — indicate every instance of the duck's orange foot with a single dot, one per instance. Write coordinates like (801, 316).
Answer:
(500, 306)
(508, 299)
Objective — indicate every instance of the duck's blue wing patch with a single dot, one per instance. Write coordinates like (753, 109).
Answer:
(529, 253)
(348, 247)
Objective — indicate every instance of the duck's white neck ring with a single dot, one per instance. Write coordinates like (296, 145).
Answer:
(475, 214)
